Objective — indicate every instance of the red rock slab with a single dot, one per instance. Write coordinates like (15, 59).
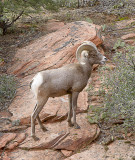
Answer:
(47, 145)
(53, 50)
(45, 117)
(6, 138)
(116, 150)
(81, 137)
(9, 128)
(128, 36)
(77, 143)
(78, 138)
(5, 114)
(47, 154)
(19, 139)
(4, 156)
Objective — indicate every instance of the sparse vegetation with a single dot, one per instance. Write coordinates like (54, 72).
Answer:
(8, 86)
(119, 44)
(11, 11)
(119, 87)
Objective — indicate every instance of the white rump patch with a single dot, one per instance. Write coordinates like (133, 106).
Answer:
(37, 81)
(82, 63)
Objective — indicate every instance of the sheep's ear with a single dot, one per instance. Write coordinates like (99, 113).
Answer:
(86, 54)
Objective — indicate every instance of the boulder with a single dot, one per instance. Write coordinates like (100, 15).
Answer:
(53, 50)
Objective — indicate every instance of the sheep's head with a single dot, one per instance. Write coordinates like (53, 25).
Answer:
(89, 52)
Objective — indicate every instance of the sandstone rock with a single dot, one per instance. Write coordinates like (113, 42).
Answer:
(128, 36)
(12, 146)
(19, 154)
(53, 25)
(76, 143)
(6, 138)
(49, 118)
(5, 114)
(49, 52)
(117, 150)
(4, 156)
(9, 128)
(47, 145)
(25, 121)
(66, 153)
(59, 135)
(79, 138)
(19, 139)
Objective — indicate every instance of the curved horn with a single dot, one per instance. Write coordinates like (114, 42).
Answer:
(86, 45)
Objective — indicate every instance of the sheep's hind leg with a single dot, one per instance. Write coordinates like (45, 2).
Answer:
(74, 107)
(39, 121)
(41, 125)
(70, 114)
(40, 104)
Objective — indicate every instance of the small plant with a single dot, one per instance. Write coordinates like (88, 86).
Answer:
(7, 90)
(88, 20)
(119, 44)
(103, 27)
(1, 60)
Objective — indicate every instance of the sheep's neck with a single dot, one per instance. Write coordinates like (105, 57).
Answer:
(87, 67)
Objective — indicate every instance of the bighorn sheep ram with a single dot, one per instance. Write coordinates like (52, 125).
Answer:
(70, 79)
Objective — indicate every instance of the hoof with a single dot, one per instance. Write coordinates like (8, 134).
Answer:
(35, 138)
(76, 126)
(70, 124)
(44, 129)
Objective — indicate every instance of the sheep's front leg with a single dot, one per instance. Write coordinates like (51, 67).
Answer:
(74, 107)
(70, 111)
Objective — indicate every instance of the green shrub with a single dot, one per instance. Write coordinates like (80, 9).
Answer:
(119, 84)
(7, 90)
